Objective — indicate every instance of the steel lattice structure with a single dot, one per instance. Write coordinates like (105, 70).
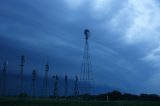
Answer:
(76, 90)
(34, 74)
(55, 90)
(86, 77)
(21, 73)
(46, 80)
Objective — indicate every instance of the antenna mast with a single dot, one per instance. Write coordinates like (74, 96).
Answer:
(21, 73)
(46, 79)
(66, 86)
(34, 74)
(4, 77)
(55, 92)
(86, 69)
(76, 91)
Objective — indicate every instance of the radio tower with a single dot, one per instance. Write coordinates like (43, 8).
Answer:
(46, 79)
(55, 92)
(21, 73)
(76, 90)
(86, 69)
(34, 74)
(66, 86)
(4, 78)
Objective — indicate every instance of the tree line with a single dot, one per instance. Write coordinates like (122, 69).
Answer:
(116, 95)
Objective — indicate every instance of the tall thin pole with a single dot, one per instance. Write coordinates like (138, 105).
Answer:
(55, 92)
(46, 79)
(34, 73)
(66, 86)
(4, 78)
(21, 73)
(76, 90)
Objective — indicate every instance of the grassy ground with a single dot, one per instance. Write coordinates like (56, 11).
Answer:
(51, 102)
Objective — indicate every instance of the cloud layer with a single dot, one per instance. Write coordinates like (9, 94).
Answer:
(124, 42)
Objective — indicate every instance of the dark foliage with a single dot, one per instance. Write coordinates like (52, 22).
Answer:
(23, 95)
(116, 95)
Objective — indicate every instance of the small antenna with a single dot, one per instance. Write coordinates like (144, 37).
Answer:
(4, 77)
(55, 92)
(76, 90)
(34, 74)
(46, 79)
(65, 86)
(21, 73)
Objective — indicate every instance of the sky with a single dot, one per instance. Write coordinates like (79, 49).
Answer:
(124, 43)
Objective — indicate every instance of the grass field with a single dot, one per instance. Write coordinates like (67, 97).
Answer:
(51, 102)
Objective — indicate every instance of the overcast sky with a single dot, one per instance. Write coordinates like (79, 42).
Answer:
(124, 42)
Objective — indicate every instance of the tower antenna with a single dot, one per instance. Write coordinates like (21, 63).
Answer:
(66, 86)
(76, 90)
(55, 90)
(34, 74)
(4, 77)
(86, 77)
(21, 73)
(46, 79)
